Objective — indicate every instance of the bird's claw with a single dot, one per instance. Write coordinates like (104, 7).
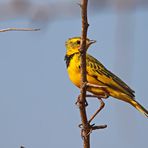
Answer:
(80, 102)
(90, 128)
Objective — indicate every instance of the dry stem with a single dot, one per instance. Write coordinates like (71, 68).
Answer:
(84, 120)
(86, 127)
(19, 29)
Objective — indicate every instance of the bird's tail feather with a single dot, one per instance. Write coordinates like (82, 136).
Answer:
(131, 101)
(139, 107)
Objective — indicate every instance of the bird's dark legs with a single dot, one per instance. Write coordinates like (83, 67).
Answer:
(102, 94)
(93, 126)
(102, 104)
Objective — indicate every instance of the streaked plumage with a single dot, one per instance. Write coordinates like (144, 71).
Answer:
(97, 74)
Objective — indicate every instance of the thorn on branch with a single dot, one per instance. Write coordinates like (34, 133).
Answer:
(87, 25)
(79, 5)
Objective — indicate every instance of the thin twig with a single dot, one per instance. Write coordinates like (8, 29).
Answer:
(19, 29)
(99, 127)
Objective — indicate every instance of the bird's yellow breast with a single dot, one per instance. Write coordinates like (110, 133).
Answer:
(75, 73)
(74, 70)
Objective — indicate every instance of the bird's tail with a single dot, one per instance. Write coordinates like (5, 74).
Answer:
(139, 107)
(134, 103)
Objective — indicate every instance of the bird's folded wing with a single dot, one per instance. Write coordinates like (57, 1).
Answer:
(101, 74)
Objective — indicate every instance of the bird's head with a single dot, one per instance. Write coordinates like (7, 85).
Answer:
(73, 45)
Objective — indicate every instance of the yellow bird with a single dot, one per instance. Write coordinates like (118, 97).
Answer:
(97, 75)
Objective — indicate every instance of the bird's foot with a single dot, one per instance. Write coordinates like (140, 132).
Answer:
(89, 128)
(78, 102)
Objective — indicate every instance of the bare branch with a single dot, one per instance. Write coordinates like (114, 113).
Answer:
(86, 127)
(84, 120)
(19, 29)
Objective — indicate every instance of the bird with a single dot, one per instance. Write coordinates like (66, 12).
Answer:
(97, 74)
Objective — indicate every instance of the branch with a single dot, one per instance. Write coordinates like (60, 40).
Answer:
(18, 29)
(87, 128)
(84, 120)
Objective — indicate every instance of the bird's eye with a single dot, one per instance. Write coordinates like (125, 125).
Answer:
(78, 42)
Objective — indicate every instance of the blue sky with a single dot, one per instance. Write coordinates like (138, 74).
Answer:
(37, 99)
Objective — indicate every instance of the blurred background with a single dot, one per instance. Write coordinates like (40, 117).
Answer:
(37, 99)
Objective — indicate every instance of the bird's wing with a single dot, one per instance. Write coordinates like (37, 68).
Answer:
(101, 74)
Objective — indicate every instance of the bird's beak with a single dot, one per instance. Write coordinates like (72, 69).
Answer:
(92, 42)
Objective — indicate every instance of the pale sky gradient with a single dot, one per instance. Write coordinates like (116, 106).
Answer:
(37, 99)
